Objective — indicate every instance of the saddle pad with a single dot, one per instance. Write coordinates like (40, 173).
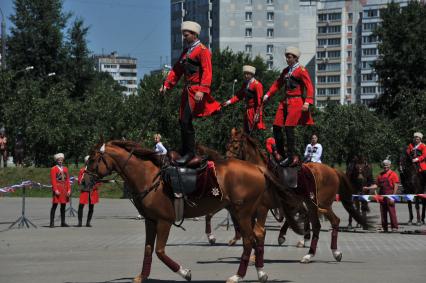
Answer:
(207, 185)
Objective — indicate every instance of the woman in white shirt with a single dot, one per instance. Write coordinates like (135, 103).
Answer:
(313, 150)
(159, 147)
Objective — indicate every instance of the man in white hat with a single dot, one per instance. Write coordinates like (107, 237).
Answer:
(387, 181)
(61, 188)
(88, 195)
(293, 110)
(417, 151)
(196, 101)
(251, 91)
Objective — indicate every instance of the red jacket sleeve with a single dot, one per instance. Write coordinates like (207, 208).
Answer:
(206, 69)
(175, 74)
(80, 175)
(238, 96)
(277, 85)
(423, 149)
(394, 178)
(259, 93)
(67, 181)
(308, 85)
(53, 178)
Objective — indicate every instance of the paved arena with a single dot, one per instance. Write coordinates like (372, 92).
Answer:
(112, 250)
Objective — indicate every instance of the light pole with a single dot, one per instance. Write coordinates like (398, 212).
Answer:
(3, 41)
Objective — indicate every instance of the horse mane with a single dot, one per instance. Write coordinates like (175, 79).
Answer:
(138, 150)
(256, 146)
(211, 154)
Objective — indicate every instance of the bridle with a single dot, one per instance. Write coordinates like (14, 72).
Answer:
(236, 154)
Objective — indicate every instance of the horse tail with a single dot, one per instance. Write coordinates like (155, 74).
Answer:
(345, 192)
(290, 202)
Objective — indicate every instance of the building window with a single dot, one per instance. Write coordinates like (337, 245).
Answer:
(367, 77)
(368, 89)
(371, 13)
(369, 39)
(322, 42)
(249, 2)
(321, 54)
(349, 28)
(334, 29)
(334, 91)
(333, 79)
(349, 79)
(349, 40)
(334, 41)
(348, 90)
(349, 66)
(249, 16)
(322, 67)
(322, 30)
(270, 32)
(334, 54)
(334, 16)
(248, 32)
(350, 16)
(369, 26)
(269, 49)
(369, 52)
(349, 53)
(321, 91)
(322, 79)
(322, 17)
(270, 64)
(269, 2)
(270, 16)
(249, 48)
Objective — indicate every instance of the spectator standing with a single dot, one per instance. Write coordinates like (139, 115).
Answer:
(61, 188)
(88, 195)
(159, 147)
(18, 157)
(313, 151)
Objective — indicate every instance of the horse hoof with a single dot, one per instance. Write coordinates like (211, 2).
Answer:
(281, 240)
(263, 277)
(252, 260)
(188, 275)
(211, 238)
(307, 258)
(409, 223)
(137, 279)
(300, 244)
(337, 255)
(233, 241)
(185, 273)
(234, 279)
(419, 223)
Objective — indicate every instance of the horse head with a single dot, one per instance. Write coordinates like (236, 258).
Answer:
(100, 163)
(234, 148)
(245, 147)
(360, 172)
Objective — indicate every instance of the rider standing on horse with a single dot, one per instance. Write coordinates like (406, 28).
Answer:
(251, 91)
(196, 100)
(293, 110)
(417, 151)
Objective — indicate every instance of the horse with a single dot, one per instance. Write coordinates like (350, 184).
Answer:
(412, 183)
(329, 182)
(244, 187)
(360, 174)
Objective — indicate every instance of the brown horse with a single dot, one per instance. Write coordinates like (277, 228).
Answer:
(329, 182)
(360, 174)
(246, 190)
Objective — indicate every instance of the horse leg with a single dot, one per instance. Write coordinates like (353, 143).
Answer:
(248, 240)
(151, 233)
(316, 227)
(423, 210)
(259, 233)
(335, 221)
(283, 232)
(210, 237)
(307, 235)
(163, 230)
(237, 235)
(410, 212)
(417, 205)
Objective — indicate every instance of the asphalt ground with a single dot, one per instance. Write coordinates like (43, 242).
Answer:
(112, 250)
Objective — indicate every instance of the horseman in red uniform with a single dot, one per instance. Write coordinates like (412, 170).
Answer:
(293, 110)
(417, 151)
(196, 101)
(251, 91)
(88, 195)
(61, 188)
(387, 182)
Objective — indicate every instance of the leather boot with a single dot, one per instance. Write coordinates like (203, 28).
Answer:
(89, 216)
(63, 224)
(52, 216)
(80, 215)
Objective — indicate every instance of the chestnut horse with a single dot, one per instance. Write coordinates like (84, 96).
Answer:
(246, 190)
(329, 182)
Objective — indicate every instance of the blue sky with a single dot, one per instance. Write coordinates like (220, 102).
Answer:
(139, 28)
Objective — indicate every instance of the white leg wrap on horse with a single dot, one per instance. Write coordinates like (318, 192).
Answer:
(211, 238)
(261, 274)
(185, 273)
(307, 258)
(337, 255)
(234, 279)
(300, 244)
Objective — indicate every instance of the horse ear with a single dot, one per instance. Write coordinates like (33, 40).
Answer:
(234, 132)
(102, 149)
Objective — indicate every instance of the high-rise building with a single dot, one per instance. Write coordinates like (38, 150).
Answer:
(122, 69)
(257, 27)
(346, 50)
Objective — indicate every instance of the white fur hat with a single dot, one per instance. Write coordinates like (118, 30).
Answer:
(386, 162)
(249, 69)
(191, 26)
(418, 134)
(58, 155)
(293, 50)
(86, 158)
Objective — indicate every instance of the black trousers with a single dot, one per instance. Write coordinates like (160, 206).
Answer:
(279, 140)
(187, 131)
(52, 213)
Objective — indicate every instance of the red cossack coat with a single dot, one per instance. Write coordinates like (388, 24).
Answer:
(420, 153)
(61, 187)
(93, 194)
(253, 103)
(194, 82)
(289, 112)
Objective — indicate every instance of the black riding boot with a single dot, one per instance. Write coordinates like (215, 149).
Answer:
(80, 215)
(279, 139)
(291, 148)
(187, 132)
(63, 224)
(52, 215)
(89, 215)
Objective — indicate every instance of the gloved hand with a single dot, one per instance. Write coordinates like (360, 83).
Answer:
(265, 98)
(225, 103)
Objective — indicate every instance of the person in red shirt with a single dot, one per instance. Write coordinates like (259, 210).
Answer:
(61, 188)
(196, 101)
(88, 195)
(251, 91)
(417, 151)
(387, 183)
(293, 110)
(3, 146)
